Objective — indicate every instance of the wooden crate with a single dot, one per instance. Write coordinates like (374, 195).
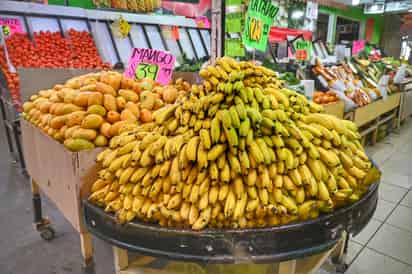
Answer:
(63, 176)
(336, 108)
(370, 112)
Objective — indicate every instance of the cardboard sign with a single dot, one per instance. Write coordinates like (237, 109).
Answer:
(150, 63)
(233, 22)
(259, 19)
(303, 50)
(10, 26)
(234, 48)
(358, 46)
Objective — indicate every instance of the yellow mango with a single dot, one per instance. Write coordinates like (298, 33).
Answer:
(77, 144)
(97, 109)
(75, 118)
(83, 133)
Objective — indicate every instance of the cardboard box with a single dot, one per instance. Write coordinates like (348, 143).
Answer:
(336, 108)
(64, 176)
(370, 112)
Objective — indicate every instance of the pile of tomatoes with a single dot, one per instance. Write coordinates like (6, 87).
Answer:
(48, 50)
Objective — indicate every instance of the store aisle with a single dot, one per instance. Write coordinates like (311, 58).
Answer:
(384, 247)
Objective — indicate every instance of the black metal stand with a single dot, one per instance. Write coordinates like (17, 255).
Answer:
(258, 245)
(41, 224)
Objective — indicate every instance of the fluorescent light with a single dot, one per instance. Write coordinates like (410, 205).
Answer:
(297, 14)
(355, 2)
(410, 10)
(374, 8)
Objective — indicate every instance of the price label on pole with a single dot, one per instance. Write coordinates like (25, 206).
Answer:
(357, 46)
(152, 64)
(10, 26)
(259, 19)
(302, 50)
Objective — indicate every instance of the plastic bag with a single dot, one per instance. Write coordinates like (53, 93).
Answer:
(338, 85)
(349, 104)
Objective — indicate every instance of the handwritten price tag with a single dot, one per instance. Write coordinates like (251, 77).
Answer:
(10, 26)
(301, 54)
(150, 63)
(303, 50)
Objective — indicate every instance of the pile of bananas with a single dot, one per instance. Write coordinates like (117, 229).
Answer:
(239, 151)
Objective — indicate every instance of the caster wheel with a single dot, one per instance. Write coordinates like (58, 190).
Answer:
(89, 268)
(341, 268)
(47, 233)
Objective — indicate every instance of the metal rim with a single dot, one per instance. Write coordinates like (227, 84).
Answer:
(269, 244)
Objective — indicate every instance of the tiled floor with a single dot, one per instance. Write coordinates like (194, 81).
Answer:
(385, 245)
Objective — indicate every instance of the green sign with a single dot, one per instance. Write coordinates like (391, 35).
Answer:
(234, 48)
(259, 19)
(233, 22)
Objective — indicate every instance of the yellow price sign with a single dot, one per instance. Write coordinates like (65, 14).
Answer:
(121, 27)
(255, 29)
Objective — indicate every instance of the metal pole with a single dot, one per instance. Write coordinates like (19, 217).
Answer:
(222, 26)
(217, 32)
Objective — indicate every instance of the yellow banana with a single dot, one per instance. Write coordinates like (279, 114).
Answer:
(230, 204)
(323, 192)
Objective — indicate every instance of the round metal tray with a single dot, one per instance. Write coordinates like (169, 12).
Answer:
(258, 245)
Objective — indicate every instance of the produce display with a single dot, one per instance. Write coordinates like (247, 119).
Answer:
(344, 80)
(88, 110)
(239, 151)
(130, 5)
(325, 98)
(48, 50)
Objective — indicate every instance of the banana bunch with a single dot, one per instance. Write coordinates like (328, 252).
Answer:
(239, 151)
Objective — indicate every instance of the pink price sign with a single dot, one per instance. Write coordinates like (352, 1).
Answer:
(151, 63)
(10, 26)
(358, 46)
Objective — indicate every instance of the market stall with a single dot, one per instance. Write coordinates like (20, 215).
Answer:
(68, 37)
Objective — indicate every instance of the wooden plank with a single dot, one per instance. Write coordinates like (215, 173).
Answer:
(120, 259)
(288, 267)
(62, 175)
(336, 108)
(86, 246)
(312, 264)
